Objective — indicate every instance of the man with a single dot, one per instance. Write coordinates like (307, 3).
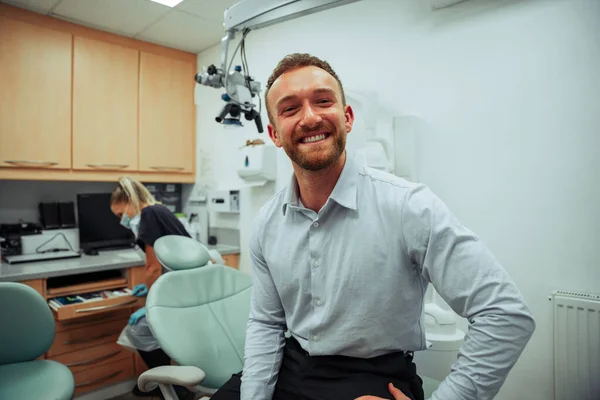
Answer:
(341, 261)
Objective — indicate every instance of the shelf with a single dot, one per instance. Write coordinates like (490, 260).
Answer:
(72, 290)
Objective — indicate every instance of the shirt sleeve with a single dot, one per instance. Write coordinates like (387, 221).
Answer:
(468, 277)
(150, 229)
(265, 334)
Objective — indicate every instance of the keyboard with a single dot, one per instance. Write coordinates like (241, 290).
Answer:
(26, 258)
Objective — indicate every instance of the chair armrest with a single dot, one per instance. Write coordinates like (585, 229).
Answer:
(170, 375)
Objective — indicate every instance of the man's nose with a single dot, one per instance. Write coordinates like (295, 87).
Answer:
(310, 117)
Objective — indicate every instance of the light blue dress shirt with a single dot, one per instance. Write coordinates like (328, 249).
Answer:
(350, 280)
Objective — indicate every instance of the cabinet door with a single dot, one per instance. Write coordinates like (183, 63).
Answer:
(105, 106)
(35, 96)
(167, 114)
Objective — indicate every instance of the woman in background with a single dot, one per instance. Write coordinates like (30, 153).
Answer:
(139, 211)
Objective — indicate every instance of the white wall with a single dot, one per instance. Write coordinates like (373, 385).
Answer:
(510, 91)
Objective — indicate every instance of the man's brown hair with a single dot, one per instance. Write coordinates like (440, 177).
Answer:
(298, 60)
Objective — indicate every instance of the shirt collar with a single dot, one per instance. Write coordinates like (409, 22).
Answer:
(344, 193)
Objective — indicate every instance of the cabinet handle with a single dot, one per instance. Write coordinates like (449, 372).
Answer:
(106, 307)
(93, 360)
(169, 168)
(88, 340)
(31, 162)
(104, 378)
(115, 166)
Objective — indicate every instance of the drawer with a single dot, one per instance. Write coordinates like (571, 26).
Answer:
(232, 260)
(88, 336)
(93, 356)
(121, 314)
(83, 310)
(107, 374)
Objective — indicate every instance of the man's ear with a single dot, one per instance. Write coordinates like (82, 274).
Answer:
(349, 114)
(273, 135)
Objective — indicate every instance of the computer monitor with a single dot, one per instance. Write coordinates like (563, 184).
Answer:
(99, 228)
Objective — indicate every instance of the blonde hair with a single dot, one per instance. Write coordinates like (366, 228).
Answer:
(132, 192)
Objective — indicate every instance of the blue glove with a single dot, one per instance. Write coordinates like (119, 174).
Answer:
(140, 290)
(135, 317)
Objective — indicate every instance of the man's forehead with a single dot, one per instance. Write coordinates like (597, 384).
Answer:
(302, 79)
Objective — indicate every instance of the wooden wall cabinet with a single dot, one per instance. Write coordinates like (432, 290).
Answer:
(92, 106)
(232, 260)
(35, 96)
(105, 106)
(166, 114)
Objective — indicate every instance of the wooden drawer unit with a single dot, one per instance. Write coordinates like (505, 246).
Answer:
(87, 331)
(94, 356)
(87, 336)
(232, 260)
(94, 378)
(86, 287)
(103, 284)
(82, 310)
(122, 315)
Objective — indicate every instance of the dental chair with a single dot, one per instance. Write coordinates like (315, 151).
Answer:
(27, 332)
(198, 313)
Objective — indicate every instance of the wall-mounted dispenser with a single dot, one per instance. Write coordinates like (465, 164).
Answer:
(227, 201)
(257, 163)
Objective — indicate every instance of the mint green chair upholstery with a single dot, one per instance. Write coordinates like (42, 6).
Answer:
(180, 252)
(198, 313)
(27, 332)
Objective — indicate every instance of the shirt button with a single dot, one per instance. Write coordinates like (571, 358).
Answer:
(315, 338)
(316, 224)
(318, 301)
(316, 263)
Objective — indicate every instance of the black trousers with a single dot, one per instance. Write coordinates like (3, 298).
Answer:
(304, 377)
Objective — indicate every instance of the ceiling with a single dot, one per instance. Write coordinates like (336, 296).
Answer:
(192, 25)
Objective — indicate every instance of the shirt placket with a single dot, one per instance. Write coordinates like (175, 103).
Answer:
(318, 262)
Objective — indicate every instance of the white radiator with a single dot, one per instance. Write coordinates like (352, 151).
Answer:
(576, 346)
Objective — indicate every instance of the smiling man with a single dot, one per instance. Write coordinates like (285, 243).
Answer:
(341, 260)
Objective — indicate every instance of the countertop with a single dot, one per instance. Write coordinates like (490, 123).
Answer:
(104, 261)
(224, 249)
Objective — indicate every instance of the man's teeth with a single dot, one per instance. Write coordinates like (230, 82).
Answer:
(313, 139)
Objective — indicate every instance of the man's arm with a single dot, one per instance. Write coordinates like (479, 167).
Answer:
(265, 333)
(476, 286)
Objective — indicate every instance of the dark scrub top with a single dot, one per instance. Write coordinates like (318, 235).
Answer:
(155, 222)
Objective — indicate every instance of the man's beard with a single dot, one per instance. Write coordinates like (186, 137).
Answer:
(308, 161)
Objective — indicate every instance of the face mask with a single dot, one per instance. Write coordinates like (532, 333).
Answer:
(131, 223)
(126, 221)
(134, 224)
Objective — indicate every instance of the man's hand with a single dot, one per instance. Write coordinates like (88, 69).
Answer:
(398, 395)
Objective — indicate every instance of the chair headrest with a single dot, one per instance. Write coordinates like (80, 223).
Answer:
(180, 252)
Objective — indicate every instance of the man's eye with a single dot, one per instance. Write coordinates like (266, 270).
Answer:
(288, 109)
(324, 101)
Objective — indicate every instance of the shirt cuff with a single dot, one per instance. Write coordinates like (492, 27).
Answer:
(255, 390)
